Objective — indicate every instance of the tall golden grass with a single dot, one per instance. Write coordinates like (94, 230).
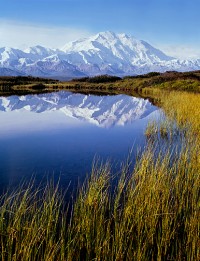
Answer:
(152, 214)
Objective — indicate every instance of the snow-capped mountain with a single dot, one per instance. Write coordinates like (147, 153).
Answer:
(110, 51)
(103, 53)
(52, 66)
(36, 61)
(103, 111)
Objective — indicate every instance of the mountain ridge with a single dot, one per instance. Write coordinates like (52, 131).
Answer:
(103, 53)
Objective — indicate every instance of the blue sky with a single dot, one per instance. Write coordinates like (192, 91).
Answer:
(171, 25)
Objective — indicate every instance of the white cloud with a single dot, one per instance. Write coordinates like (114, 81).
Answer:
(181, 51)
(19, 35)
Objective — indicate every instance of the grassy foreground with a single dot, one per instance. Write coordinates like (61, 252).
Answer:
(153, 214)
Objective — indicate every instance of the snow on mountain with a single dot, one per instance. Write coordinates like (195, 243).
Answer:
(9, 57)
(39, 51)
(103, 53)
(52, 66)
(103, 111)
(37, 61)
(114, 48)
(121, 54)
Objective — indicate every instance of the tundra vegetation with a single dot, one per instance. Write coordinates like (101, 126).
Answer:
(152, 213)
(170, 80)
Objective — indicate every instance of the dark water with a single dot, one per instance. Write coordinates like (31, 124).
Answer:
(59, 134)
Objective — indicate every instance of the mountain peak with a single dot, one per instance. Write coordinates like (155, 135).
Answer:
(117, 48)
(7, 49)
(112, 35)
(106, 34)
(38, 49)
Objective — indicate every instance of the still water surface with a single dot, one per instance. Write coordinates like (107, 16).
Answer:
(59, 134)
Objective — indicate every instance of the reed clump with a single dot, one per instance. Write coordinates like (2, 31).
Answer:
(30, 224)
(184, 109)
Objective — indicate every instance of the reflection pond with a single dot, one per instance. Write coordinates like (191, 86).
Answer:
(59, 134)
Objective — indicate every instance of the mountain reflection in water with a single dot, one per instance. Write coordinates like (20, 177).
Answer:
(60, 133)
